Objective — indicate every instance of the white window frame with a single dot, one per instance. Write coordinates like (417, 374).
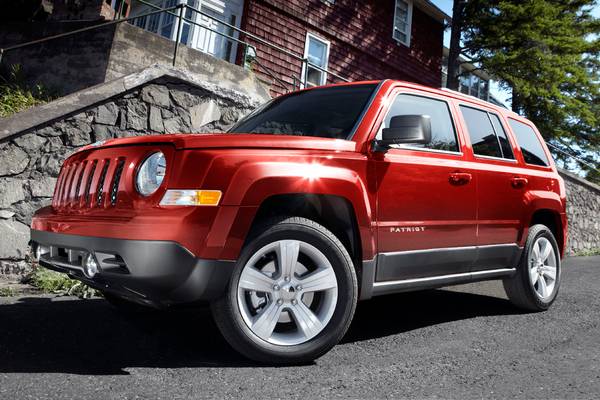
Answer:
(408, 22)
(327, 44)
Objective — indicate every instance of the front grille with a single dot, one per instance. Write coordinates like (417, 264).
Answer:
(87, 183)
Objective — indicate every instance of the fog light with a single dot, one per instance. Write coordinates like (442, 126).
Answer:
(40, 250)
(90, 266)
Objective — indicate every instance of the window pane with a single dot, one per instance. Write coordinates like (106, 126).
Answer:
(443, 136)
(314, 77)
(401, 21)
(317, 52)
(481, 132)
(532, 149)
(504, 143)
(153, 22)
(323, 112)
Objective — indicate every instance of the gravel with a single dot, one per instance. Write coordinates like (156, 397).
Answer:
(464, 342)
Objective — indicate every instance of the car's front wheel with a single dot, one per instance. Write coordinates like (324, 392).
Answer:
(292, 295)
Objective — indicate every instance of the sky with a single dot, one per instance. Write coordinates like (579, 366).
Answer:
(502, 95)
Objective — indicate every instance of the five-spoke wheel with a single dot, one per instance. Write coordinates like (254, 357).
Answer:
(292, 295)
(535, 285)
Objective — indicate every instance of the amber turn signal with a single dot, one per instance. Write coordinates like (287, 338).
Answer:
(191, 198)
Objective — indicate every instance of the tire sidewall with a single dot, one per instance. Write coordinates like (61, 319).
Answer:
(535, 233)
(346, 297)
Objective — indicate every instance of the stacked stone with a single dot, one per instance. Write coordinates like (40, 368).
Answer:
(30, 164)
(583, 211)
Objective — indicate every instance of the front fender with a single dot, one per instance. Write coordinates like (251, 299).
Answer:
(253, 183)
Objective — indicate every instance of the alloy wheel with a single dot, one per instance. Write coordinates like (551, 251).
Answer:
(287, 292)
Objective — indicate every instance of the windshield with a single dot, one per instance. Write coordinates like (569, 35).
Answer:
(329, 112)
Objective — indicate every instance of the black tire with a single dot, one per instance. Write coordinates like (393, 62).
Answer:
(228, 316)
(519, 288)
(126, 306)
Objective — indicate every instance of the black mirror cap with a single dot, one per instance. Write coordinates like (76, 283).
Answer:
(407, 129)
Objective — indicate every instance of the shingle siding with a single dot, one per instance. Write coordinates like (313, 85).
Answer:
(360, 32)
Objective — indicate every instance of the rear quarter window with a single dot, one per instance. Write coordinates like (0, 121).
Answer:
(532, 149)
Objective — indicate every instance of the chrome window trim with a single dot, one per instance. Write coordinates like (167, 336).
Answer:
(412, 148)
(510, 160)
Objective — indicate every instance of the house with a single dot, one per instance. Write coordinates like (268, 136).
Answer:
(472, 81)
(315, 41)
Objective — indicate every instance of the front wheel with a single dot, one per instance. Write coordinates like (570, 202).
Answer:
(292, 295)
(535, 285)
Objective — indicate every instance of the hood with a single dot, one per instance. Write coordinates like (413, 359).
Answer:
(231, 141)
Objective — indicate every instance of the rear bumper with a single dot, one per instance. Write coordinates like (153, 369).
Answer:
(145, 271)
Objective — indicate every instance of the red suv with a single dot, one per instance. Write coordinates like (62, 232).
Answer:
(316, 200)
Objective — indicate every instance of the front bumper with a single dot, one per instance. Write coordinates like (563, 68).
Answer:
(151, 272)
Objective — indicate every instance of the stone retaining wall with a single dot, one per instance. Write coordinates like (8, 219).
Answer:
(583, 211)
(30, 162)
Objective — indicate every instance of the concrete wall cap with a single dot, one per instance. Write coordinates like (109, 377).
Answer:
(31, 118)
(579, 180)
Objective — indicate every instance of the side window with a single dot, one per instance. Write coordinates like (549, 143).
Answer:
(481, 132)
(443, 136)
(532, 149)
(501, 133)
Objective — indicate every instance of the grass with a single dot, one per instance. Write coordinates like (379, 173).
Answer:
(588, 252)
(7, 292)
(16, 95)
(54, 282)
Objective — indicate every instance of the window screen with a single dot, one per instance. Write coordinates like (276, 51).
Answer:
(504, 143)
(532, 149)
(443, 136)
(481, 132)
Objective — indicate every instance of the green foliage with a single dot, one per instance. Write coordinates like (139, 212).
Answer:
(16, 95)
(6, 292)
(588, 253)
(54, 282)
(548, 53)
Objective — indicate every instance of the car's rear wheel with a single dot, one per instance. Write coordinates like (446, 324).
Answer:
(292, 295)
(536, 283)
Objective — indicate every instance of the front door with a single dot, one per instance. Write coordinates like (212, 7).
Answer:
(426, 209)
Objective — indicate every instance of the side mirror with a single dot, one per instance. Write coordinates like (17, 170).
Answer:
(406, 129)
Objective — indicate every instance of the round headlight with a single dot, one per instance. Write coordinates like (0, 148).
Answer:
(151, 173)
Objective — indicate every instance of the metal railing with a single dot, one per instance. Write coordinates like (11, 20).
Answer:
(178, 11)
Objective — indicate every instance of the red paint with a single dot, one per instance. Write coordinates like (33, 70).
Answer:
(436, 199)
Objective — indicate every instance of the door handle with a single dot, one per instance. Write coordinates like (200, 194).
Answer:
(518, 182)
(460, 178)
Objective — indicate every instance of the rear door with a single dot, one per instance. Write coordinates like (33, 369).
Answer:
(426, 198)
(501, 188)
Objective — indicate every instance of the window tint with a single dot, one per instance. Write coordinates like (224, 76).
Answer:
(481, 132)
(329, 112)
(532, 149)
(504, 143)
(443, 136)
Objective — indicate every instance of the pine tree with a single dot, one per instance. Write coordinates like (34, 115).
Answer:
(547, 53)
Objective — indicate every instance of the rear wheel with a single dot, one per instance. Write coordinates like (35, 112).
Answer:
(536, 283)
(292, 294)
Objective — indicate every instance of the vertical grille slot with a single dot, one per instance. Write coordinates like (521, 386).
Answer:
(114, 192)
(78, 187)
(88, 186)
(100, 189)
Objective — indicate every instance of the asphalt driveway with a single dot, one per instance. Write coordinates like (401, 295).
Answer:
(465, 342)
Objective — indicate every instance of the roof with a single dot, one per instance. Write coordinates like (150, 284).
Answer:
(433, 11)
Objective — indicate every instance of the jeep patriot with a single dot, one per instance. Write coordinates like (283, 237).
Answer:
(314, 201)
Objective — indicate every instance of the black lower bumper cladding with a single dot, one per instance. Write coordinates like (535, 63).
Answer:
(152, 272)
